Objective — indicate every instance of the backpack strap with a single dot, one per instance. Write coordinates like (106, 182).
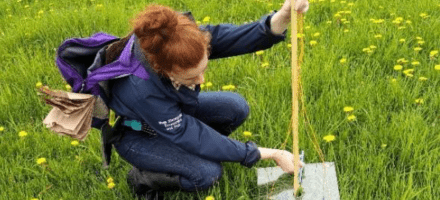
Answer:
(110, 134)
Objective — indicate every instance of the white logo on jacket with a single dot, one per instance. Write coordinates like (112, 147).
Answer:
(173, 123)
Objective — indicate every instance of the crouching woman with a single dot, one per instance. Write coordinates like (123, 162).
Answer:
(174, 136)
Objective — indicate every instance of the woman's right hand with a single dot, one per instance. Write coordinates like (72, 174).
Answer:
(285, 160)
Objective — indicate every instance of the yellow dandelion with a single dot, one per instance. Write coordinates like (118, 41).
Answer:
(228, 87)
(419, 38)
(351, 118)
(424, 15)
(18, 1)
(34, 199)
(401, 27)
(383, 145)
(111, 185)
(26, 6)
(202, 86)
(366, 49)
(402, 61)
(289, 45)
(329, 138)
(332, 1)
(259, 52)
(393, 80)
(74, 143)
(421, 42)
(68, 87)
(350, 4)
(422, 78)
(110, 180)
(2, 128)
(408, 22)
(437, 67)
(398, 67)
(317, 34)
(299, 35)
(408, 71)
(313, 43)
(346, 30)
(206, 19)
(307, 27)
(418, 49)
(343, 60)
(433, 53)
(399, 19)
(329, 22)
(265, 64)
(41, 161)
(40, 12)
(402, 40)
(247, 133)
(415, 63)
(346, 22)
(208, 84)
(348, 109)
(343, 20)
(38, 85)
(419, 101)
(99, 5)
(409, 75)
(209, 198)
(396, 22)
(342, 2)
(378, 21)
(372, 47)
(22, 134)
(337, 15)
(378, 36)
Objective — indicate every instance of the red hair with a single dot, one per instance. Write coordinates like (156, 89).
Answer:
(169, 38)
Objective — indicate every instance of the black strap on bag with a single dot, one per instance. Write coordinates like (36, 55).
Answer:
(110, 135)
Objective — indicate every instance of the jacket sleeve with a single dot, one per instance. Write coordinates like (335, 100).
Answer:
(165, 117)
(231, 40)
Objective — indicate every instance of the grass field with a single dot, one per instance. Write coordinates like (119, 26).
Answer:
(391, 150)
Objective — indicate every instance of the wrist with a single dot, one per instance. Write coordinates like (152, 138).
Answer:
(279, 22)
(267, 153)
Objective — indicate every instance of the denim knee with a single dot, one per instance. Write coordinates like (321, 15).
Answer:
(211, 174)
(241, 109)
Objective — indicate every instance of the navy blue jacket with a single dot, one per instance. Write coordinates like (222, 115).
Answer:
(170, 112)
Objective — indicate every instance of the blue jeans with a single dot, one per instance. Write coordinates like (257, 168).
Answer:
(223, 111)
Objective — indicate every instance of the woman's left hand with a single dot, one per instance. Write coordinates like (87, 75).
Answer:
(301, 6)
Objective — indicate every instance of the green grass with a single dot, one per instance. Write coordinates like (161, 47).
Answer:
(386, 112)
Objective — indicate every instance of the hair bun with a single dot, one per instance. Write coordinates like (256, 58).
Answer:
(157, 19)
(156, 24)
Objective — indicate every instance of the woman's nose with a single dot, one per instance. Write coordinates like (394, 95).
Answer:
(201, 79)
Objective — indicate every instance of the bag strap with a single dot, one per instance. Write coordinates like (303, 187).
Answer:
(109, 134)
